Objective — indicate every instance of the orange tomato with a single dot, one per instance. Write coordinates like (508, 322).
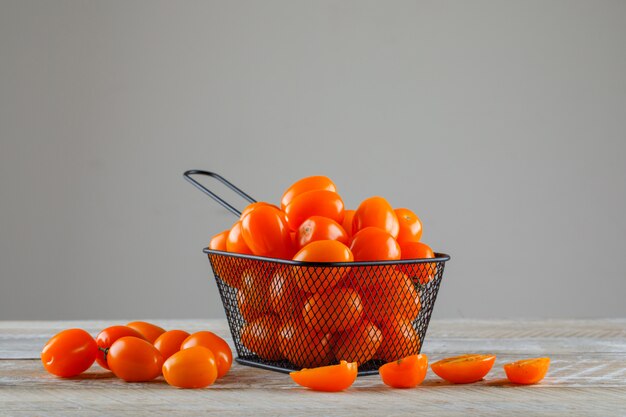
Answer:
(464, 369)
(374, 244)
(376, 212)
(191, 368)
(218, 242)
(261, 337)
(314, 203)
(358, 344)
(394, 296)
(169, 342)
(407, 372)
(69, 353)
(235, 242)
(218, 346)
(400, 339)
(266, 234)
(527, 371)
(106, 337)
(333, 311)
(327, 378)
(302, 346)
(285, 297)
(347, 222)
(134, 360)
(320, 228)
(410, 226)
(317, 182)
(148, 330)
(321, 278)
(253, 294)
(252, 206)
(422, 272)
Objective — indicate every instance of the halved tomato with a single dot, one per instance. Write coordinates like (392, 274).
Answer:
(464, 369)
(407, 372)
(327, 378)
(527, 371)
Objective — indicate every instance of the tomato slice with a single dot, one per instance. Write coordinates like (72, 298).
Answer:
(407, 372)
(527, 371)
(464, 369)
(327, 378)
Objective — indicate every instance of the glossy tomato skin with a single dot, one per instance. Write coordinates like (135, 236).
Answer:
(250, 207)
(235, 242)
(407, 372)
(316, 182)
(527, 371)
(464, 369)
(134, 360)
(376, 212)
(218, 242)
(314, 203)
(321, 278)
(359, 343)
(423, 272)
(410, 226)
(194, 367)
(348, 216)
(320, 228)
(374, 244)
(218, 346)
(169, 342)
(69, 353)
(266, 234)
(149, 331)
(106, 337)
(331, 378)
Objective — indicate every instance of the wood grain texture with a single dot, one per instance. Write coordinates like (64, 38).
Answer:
(587, 377)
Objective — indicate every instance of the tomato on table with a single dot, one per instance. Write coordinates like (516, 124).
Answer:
(134, 360)
(69, 353)
(148, 330)
(218, 346)
(320, 228)
(316, 182)
(407, 372)
(194, 367)
(321, 278)
(376, 212)
(108, 336)
(314, 203)
(410, 226)
(464, 369)
(169, 342)
(331, 378)
(527, 371)
(266, 234)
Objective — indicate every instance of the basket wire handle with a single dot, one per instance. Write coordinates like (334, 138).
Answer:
(187, 175)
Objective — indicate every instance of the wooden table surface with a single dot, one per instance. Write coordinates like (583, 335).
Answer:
(587, 377)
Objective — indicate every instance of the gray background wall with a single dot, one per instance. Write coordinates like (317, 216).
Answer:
(501, 123)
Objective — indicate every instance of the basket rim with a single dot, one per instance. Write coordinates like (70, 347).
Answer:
(439, 258)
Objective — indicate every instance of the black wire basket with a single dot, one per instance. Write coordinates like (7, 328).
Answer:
(287, 315)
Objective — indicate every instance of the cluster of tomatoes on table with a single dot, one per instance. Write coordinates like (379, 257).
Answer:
(410, 371)
(314, 315)
(141, 351)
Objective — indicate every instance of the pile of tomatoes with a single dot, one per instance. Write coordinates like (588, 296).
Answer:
(141, 351)
(316, 315)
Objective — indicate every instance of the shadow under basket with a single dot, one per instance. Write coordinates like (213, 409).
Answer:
(286, 315)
